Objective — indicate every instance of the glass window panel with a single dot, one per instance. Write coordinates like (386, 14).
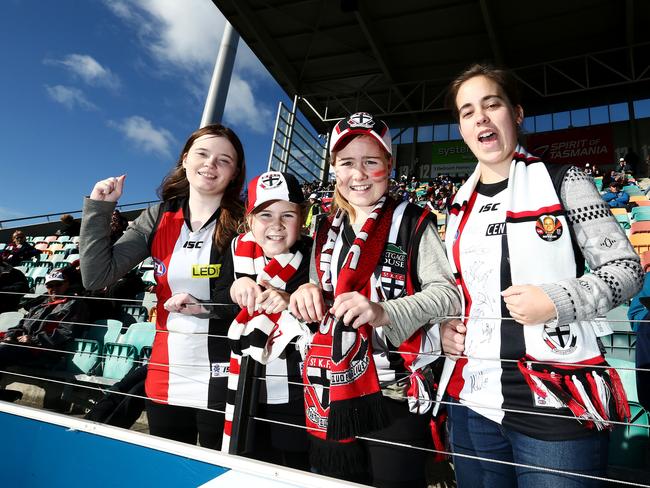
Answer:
(407, 136)
(599, 115)
(529, 124)
(642, 108)
(441, 132)
(580, 117)
(543, 123)
(394, 134)
(618, 112)
(454, 133)
(561, 120)
(425, 133)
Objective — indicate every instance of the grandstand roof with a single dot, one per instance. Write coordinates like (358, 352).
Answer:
(396, 58)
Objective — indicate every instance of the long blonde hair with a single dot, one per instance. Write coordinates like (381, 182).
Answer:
(339, 200)
(176, 185)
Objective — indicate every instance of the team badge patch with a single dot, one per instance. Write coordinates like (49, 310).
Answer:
(548, 228)
(361, 119)
(393, 272)
(270, 180)
(560, 339)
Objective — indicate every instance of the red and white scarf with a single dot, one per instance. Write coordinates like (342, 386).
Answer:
(261, 336)
(584, 383)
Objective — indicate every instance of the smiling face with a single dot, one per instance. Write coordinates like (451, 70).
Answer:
(362, 169)
(487, 121)
(276, 227)
(210, 165)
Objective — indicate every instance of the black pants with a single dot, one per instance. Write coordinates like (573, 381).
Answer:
(390, 466)
(184, 424)
(643, 361)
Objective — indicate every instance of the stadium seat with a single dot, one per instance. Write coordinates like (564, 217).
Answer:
(56, 257)
(638, 198)
(146, 264)
(28, 263)
(640, 227)
(617, 318)
(75, 239)
(637, 212)
(2, 246)
(23, 269)
(149, 300)
(137, 313)
(119, 359)
(623, 220)
(632, 190)
(39, 272)
(625, 370)
(41, 246)
(63, 238)
(148, 278)
(55, 246)
(50, 238)
(618, 211)
(640, 242)
(643, 203)
(37, 239)
(87, 349)
(628, 444)
(140, 335)
(72, 258)
(8, 320)
(645, 259)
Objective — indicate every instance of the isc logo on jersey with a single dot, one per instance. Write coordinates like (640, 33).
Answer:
(206, 270)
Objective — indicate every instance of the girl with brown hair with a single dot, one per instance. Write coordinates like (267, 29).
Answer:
(187, 236)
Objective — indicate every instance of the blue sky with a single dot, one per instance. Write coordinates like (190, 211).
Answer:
(96, 88)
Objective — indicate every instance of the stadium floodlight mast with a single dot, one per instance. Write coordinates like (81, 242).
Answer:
(215, 102)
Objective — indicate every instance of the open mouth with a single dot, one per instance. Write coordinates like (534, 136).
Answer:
(207, 175)
(360, 187)
(488, 136)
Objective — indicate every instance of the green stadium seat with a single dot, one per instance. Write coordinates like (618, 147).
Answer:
(624, 221)
(628, 444)
(148, 278)
(137, 312)
(119, 359)
(63, 238)
(140, 335)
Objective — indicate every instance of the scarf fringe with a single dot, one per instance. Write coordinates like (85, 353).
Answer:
(342, 459)
(437, 426)
(586, 393)
(356, 416)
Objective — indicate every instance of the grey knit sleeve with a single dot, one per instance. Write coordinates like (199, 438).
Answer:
(438, 298)
(616, 274)
(102, 264)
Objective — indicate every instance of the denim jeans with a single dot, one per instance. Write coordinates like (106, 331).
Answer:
(472, 434)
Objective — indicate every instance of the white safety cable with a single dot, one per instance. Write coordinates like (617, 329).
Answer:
(391, 443)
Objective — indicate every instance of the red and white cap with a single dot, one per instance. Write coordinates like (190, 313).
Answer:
(271, 186)
(361, 123)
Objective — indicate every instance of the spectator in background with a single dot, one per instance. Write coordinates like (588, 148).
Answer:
(623, 168)
(12, 284)
(19, 250)
(70, 226)
(637, 312)
(615, 197)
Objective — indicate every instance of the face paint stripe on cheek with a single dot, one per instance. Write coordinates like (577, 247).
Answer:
(379, 174)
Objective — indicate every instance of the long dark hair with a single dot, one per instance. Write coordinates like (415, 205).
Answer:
(175, 185)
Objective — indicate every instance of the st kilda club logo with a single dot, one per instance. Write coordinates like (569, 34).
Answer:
(271, 180)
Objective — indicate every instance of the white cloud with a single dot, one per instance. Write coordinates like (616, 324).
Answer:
(70, 97)
(242, 109)
(186, 36)
(88, 69)
(144, 135)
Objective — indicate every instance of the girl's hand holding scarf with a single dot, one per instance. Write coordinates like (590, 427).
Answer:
(356, 310)
(184, 303)
(244, 292)
(272, 300)
(528, 304)
(307, 304)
